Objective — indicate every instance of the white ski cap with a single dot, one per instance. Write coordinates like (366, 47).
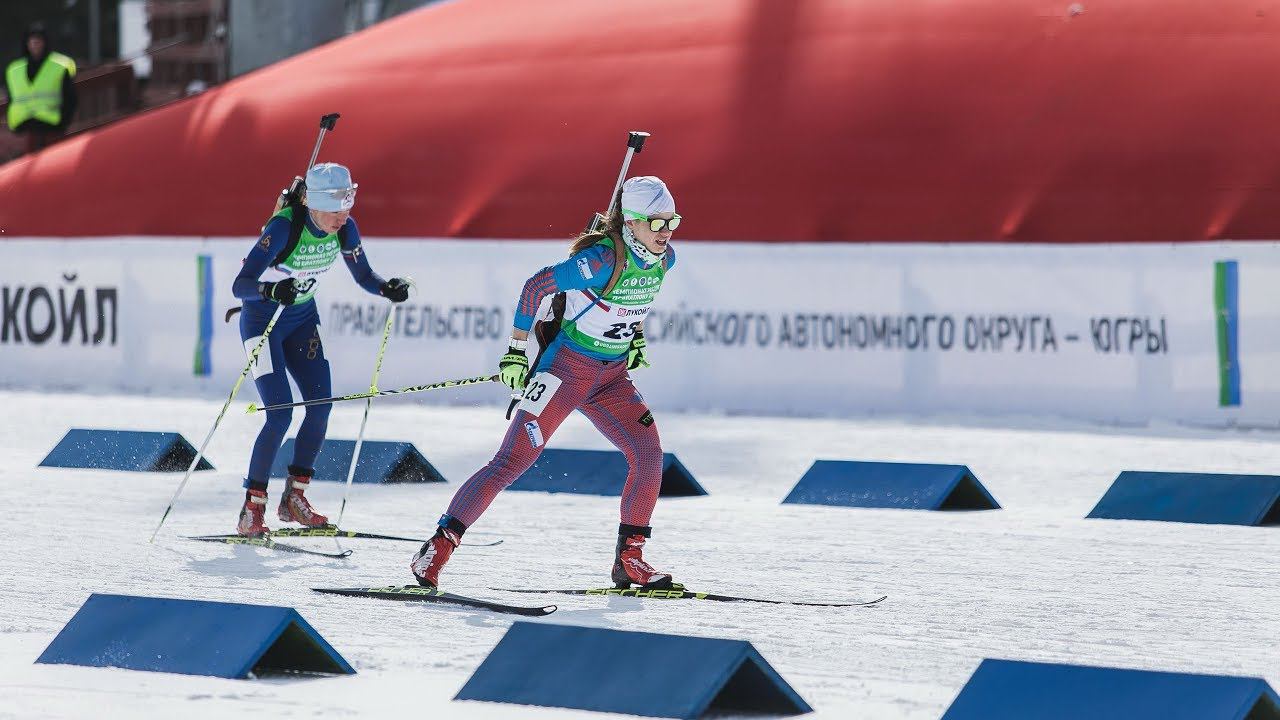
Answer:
(329, 188)
(646, 196)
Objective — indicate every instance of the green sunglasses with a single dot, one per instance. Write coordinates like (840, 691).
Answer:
(656, 224)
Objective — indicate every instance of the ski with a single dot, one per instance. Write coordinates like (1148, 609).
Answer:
(420, 593)
(264, 542)
(680, 593)
(332, 532)
(329, 531)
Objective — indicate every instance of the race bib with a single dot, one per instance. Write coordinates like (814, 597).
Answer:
(261, 365)
(538, 392)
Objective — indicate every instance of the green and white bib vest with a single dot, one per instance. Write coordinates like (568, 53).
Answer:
(312, 257)
(606, 324)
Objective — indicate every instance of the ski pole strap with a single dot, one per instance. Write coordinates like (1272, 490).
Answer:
(253, 408)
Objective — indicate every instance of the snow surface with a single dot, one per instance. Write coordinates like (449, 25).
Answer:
(1033, 581)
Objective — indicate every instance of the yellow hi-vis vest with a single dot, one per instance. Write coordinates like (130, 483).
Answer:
(40, 98)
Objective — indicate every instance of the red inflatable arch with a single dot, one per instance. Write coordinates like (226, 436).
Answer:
(773, 120)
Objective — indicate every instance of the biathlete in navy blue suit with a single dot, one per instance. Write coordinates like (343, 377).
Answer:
(275, 273)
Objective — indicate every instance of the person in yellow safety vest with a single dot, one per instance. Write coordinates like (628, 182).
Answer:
(41, 87)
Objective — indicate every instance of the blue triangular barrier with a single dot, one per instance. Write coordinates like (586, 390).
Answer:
(191, 637)
(599, 472)
(595, 669)
(380, 462)
(1012, 690)
(912, 486)
(1192, 498)
(135, 450)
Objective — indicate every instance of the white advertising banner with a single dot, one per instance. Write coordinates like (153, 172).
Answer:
(1109, 333)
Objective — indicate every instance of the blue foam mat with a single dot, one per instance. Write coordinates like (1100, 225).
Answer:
(1191, 497)
(381, 461)
(191, 637)
(595, 669)
(1015, 690)
(913, 486)
(130, 450)
(599, 472)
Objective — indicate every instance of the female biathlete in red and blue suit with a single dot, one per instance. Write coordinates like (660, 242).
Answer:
(585, 367)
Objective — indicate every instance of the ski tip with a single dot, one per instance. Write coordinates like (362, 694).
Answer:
(253, 408)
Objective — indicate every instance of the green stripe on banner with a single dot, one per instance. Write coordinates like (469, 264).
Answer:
(1226, 306)
(202, 363)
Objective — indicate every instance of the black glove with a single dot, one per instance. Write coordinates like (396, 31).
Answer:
(396, 290)
(285, 292)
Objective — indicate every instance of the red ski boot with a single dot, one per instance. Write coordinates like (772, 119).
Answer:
(293, 504)
(428, 561)
(253, 521)
(629, 566)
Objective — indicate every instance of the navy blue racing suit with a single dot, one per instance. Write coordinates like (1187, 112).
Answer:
(293, 345)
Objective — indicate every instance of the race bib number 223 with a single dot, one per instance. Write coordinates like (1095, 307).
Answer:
(538, 392)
